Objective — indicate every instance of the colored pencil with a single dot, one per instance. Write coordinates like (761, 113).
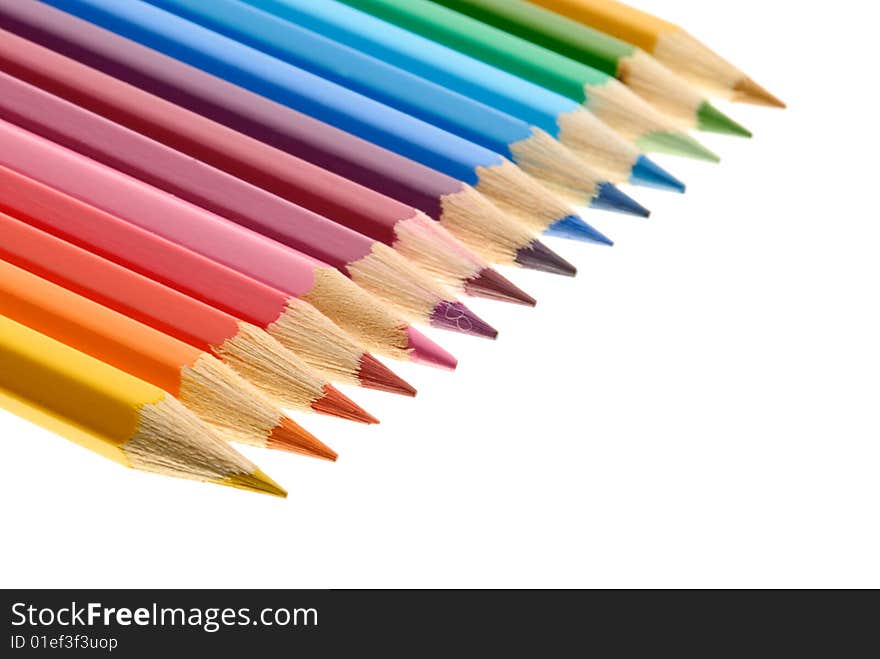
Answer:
(294, 323)
(303, 91)
(559, 116)
(205, 385)
(668, 43)
(632, 66)
(608, 98)
(260, 359)
(536, 152)
(614, 157)
(113, 413)
(221, 193)
(226, 242)
(456, 206)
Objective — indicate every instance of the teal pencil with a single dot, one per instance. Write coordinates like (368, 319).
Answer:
(607, 97)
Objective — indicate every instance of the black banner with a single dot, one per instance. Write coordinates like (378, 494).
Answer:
(418, 623)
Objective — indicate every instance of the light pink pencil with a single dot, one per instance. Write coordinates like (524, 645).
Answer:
(375, 261)
(218, 239)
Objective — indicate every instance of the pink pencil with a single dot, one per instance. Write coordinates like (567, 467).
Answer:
(221, 240)
(356, 311)
(367, 261)
(293, 322)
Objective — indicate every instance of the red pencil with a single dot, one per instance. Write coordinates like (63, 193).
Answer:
(296, 324)
(254, 355)
(228, 243)
(366, 261)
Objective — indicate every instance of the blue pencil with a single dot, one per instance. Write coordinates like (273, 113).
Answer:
(532, 149)
(569, 122)
(485, 170)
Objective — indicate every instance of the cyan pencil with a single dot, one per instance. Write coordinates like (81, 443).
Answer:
(536, 152)
(270, 77)
(569, 122)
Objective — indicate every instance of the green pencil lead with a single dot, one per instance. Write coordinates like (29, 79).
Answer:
(712, 120)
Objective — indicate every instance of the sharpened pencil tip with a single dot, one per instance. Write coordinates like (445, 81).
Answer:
(610, 198)
(749, 91)
(456, 317)
(488, 283)
(537, 256)
(425, 351)
(676, 144)
(257, 481)
(335, 403)
(291, 437)
(373, 374)
(574, 228)
(712, 120)
(649, 174)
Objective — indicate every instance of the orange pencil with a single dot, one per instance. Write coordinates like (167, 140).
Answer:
(204, 384)
(250, 351)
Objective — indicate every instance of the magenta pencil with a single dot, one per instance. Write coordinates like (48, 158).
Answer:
(368, 262)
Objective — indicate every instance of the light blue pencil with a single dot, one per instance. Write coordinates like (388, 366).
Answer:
(263, 74)
(532, 149)
(614, 157)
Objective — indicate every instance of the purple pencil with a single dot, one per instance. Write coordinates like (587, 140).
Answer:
(373, 265)
(400, 185)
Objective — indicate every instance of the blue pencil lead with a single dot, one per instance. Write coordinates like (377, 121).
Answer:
(612, 199)
(574, 228)
(650, 175)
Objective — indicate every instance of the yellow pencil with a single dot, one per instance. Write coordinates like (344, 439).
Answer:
(670, 44)
(114, 414)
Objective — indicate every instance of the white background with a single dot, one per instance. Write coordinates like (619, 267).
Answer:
(697, 409)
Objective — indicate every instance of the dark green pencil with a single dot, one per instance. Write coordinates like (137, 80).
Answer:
(608, 98)
(632, 66)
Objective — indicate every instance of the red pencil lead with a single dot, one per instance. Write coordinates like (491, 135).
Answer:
(374, 374)
(335, 403)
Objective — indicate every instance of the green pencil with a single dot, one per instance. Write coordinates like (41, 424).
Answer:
(609, 99)
(632, 66)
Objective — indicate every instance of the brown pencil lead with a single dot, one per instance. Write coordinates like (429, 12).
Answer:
(293, 438)
(257, 481)
(749, 91)
(373, 374)
(488, 283)
(335, 403)
(537, 256)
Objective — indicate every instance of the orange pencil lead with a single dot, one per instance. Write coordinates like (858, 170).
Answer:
(292, 437)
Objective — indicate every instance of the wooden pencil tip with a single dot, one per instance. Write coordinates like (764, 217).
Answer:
(489, 284)
(292, 437)
(257, 481)
(749, 91)
(373, 374)
(335, 403)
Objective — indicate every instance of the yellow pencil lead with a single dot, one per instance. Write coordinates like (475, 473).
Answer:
(257, 481)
